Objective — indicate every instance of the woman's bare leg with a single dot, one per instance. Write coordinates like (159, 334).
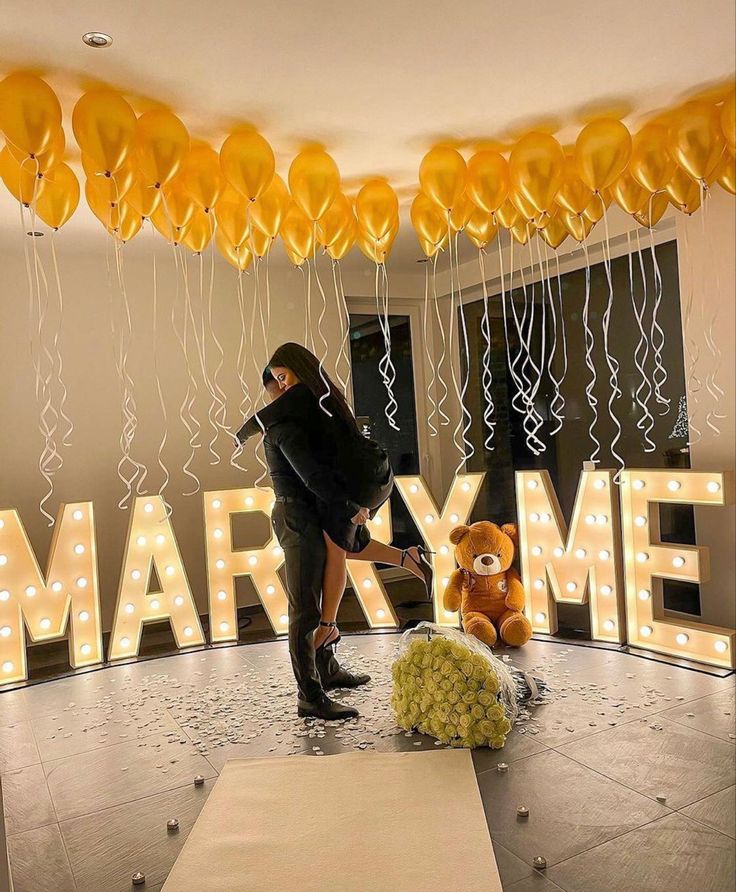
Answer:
(378, 553)
(334, 580)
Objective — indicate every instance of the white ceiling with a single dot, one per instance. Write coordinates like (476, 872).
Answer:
(377, 82)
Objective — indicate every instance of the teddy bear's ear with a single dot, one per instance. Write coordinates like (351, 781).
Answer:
(458, 534)
(511, 531)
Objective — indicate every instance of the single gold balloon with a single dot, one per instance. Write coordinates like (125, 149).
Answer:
(232, 214)
(376, 207)
(726, 173)
(162, 223)
(427, 219)
(728, 121)
(143, 199)
(178, 205)
(522, 231)
(523, 205)
(240, 258)
(47, 160)
(461, 213)
(481, 228)
(161, 144)
(297, 231)
(596, 210)
(337, 220)
(106, 211)
(314, 182)
(602, 151)
(59, 197)
(115, 185)
(196, 234)
(268, 211)
(577, 225)
(684, 192)
(696, 138)
(259, 242)
(651, 163)
(653, 210)
(442, 176)
(294, 259)
(488, 180)
(555, 232)
(378, 250)
(537, 167)
(429, 250)
(23, 184)
(30, 114)
(248, 162)
(508, 214)
(344, 243)
(629, 194)
(574, 195)
(128, 222)
(104, 126)
(201, 176)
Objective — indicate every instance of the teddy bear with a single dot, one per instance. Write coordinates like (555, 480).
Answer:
(485, 587)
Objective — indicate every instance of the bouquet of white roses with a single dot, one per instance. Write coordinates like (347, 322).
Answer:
(451, 687)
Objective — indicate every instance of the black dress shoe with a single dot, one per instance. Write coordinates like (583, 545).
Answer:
(344, 679)
(324, 708)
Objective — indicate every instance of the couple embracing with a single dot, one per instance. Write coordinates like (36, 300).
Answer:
(328, 482)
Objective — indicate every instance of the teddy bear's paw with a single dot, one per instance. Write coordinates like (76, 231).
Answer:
(515, 630)
(478, 625)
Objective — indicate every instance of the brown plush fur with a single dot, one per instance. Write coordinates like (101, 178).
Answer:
(491, 606)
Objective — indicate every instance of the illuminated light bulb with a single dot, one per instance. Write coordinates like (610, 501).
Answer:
(581, 553)
(86, 650)
(170, 571)
(449, 614)
(83, 616)
(4, 595)
(444, 549)
(674, 485)
(148, 508)
(537, 550)
(141, 540)
(640, 521)
(721, 647)
(545, 518)
(534, 517)
(367, 583)
(284, 618)
(221, 596)
(224, 627)
(56, 587)
(7, 666)
(413, 488)
(5, 631)
(278, 551)
(454, 518)
(445, 580)
(378, 521)
(130, 608)
(45, 623)
(252, 560)
(644, 594)
(3, 560)
(571, 586)
(713, 486)
(155, 604)
(217, 534)
(248, 501)
(540, 617)
(465, 487)
(125, 642)
(558, 552)
(79, 549)
(538, 583)
(606, 589)
(645, 631)
(429, 518)
(136, 574)
(604, 554)
(77, 515)
(609, 625)
(188, 631)
(682, 638)
(2, 523)
(601, 519)
(216, 503)
(678, 561)
(380, 613)
(590, 519)
(270, 589)
(31, 591)
(532, 484)
(642, 557)
(160, 539)
(599, 484)
(178, 600)
(220, 564)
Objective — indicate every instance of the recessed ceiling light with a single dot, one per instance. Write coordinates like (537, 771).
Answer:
(97, 39)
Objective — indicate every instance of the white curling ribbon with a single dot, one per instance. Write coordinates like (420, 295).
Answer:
(428, 353)
(589, 345)
(344, 331)
(536, 417)
(308, 331)
(214, 406)
(385, 365)
(456, 439)
(66, 437)
(693, 383)
(557, 406)
(320, 328)
(221, 414)
(161, 400)
(525, 330)
(260, 400)
(611, 361)
(245, 406)
(466, 418)
(487, 373)
(507, 339)
(345, 347)
(643, 392)
(546, 283)
(715, 391)
(444, 418)
(657, 336)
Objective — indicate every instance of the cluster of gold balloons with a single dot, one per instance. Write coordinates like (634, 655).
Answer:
(147, 167)
(545, 189)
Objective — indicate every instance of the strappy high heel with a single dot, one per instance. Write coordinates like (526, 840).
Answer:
(424, 564)
(328, 642)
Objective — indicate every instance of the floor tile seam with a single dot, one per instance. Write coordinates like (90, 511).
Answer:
(10, 834)
(682, 724)
(702, 823)
(512, 761)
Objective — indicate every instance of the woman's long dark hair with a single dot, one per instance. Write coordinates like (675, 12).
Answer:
(306, 367)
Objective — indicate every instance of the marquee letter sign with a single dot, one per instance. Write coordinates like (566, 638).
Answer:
(648, 561)
(367, 584)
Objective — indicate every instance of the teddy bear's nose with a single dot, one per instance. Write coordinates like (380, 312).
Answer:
(486, 560)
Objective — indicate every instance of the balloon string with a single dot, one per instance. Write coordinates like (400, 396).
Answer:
(466, 418)
(213, 408)
(444, 418)
(393, 406)
(308, 330)
(487, 374)
(260, 400)
(346, 312)
(429, 353)
(520, 394)
(643, 392)
(66, 437)
(611, 361)
(693, 383)
(344, 327)
(659, 375)
(162, 402)
(709, 329)
(221, 414)
(547, 287)
(451, 351)
(537, 419)
(244, 408)
(562, 328)
(320, 327)
(589, 345)
(507, 338)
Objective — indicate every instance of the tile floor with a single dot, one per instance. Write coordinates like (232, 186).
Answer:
(628, 772)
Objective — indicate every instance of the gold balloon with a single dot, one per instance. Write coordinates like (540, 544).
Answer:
(481, 228)
(162, 223)
(523, 205)
(577, 225)
(508, 214)
(116, 185)
(337, 220)
(442, 176)
(268, 211)
(106, 211)
(23, 184)
(248, 163)
(602, 151)
(161, 144)
(47, 160)
(295, 259)
(429, 250)
(30, 114)
(574, 195)
(59, 198)
(378, 250)
(232, 214)
(461, 213)
(555, 232)
(522, 231)
(143, 199)
(488, 180)
(344, 243)
(128, 222)
(376, 207)
(427, 219)
(653, 210)
(197, 232)
(596, 210)
(536, 167)
(651, 163)
(259, 242)
(684, 192)
(696, 138)
(314, 181)
(726, 173)
(629, 194)
(104, 126)
(297, 231)
(178, 205)
(240, 258)
(201, 176)
(728, 121)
